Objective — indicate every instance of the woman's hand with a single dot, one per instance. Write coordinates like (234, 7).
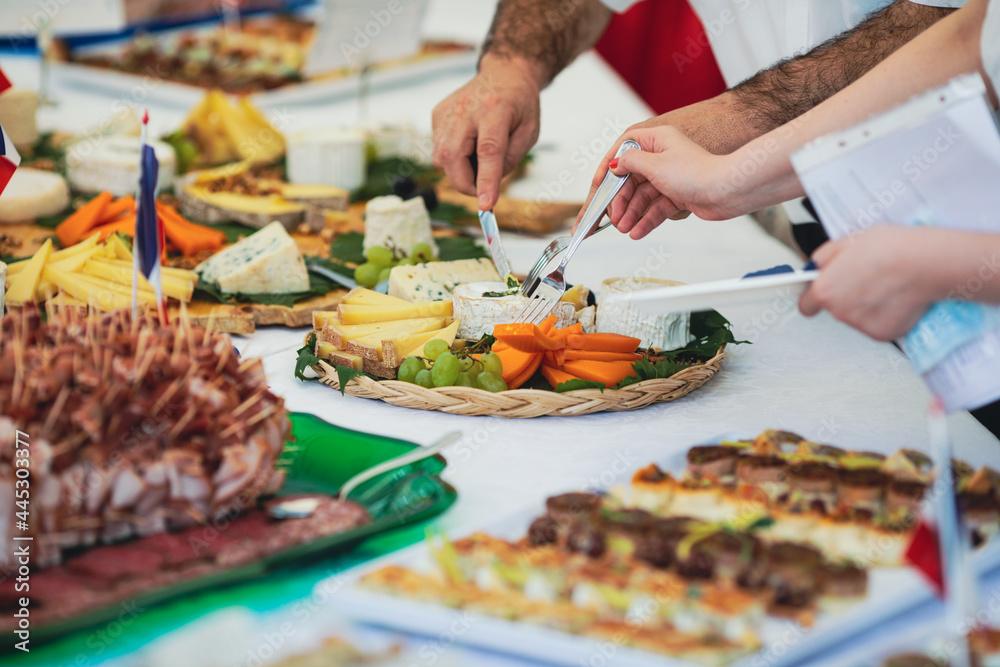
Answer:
(879, 281)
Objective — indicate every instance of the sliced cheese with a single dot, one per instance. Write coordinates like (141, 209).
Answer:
(82, 289)
(33, 193)
(76, 262)
(173, 287)
(112, 164)
(479, 314)
(340, 334)
(366, 314)
(436, 281)
(393, 222)
(266, 262)
(666, 331)
(23, 285)
(394, 351)
(322, 317)
(370, 346)
(348, 360)
(59, 255)
(365, 297)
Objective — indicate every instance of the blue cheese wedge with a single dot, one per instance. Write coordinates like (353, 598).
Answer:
(393, 222)
(668, 331)
(478, 314)
(266, 262)
(436, 281)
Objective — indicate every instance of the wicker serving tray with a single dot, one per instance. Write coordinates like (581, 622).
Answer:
(526, 403)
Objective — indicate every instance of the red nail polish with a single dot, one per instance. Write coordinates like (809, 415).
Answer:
(613, 164)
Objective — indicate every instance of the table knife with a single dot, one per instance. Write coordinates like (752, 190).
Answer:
(491, 231)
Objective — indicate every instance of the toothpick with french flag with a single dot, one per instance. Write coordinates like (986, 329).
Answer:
(9, 157)
(149, 241)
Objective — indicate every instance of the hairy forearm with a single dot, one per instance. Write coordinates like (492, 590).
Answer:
(946, 50)
(548, 34)
(785, 91)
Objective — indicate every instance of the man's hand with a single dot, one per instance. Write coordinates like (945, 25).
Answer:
(879, 281)
(495, 115)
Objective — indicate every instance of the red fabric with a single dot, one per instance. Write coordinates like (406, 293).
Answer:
(924, 553)
(661, 50)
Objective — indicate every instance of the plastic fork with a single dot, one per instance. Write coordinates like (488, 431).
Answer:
(547, 292)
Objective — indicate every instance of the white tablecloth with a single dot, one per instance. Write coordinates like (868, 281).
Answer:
(816, 377)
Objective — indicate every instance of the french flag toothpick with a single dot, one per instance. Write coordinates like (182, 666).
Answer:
(149, 241)
(9, 159)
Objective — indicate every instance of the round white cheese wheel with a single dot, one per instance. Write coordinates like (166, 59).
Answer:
(393, 222)
(328, 156)
(112, 163)
(394, 141)
(32, 193)
(667, 331)
(18, 109)
(478, 314)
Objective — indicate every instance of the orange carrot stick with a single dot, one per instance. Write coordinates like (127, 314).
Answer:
(71, 230)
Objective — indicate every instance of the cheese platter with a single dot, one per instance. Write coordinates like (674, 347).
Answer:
(717, 560)
(445, 338)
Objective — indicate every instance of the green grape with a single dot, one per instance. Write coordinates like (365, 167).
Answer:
(366, 274)
(466, 363)
(384, 274)
(424, 379)
(490, 381)
(491, 362)
(423, 251)
(475, 369)
(435, 348)
(409, 368)
(445, 370)
(380, 256)
(465, 380)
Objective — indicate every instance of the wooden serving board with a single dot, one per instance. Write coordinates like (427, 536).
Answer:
(517, 215)
(22, 240)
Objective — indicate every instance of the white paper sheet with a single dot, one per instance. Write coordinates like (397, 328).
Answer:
(934, 160)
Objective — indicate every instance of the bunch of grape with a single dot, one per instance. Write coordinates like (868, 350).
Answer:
(448, 369)
(381, 260)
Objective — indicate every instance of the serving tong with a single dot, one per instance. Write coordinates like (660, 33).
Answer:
(544, 292)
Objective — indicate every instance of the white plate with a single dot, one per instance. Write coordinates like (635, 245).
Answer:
(722, 293)
(180, 95)
(892, 591)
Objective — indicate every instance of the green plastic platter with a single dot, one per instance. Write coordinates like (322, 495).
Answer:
(319, 460)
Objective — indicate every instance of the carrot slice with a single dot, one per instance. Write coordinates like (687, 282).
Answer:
(602, 342)
(547, 325)
(125, 225)
(190, 238)
(119, 206)
(525, 337)
(608, 372)
(556, 376)
(515, 362)
(525, 374)
(597, 355)
(71, 230)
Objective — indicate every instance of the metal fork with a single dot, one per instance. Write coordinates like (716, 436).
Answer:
(552, 250)
(546, 294)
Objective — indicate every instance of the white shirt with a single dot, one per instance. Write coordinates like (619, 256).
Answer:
(990, 43)
(750, 35)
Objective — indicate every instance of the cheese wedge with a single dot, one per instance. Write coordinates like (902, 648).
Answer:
(347, 360)
(364, 314)
(370, 346)
(23, 285)
(340, 334)
(361, 296)
(174, 287)
(322, 317)
(76, 262)
(379, 369)
(394, 351)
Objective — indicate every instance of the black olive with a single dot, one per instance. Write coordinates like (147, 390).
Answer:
(404, 187)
